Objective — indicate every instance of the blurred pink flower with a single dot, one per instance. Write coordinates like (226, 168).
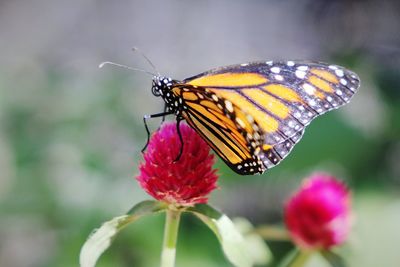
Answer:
(185, 182)
(318, 214)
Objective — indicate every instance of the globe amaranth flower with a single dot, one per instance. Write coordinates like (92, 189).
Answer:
(185, 182)
(318, 214)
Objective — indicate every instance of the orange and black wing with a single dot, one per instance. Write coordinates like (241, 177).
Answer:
(252, 114)
(218, 124)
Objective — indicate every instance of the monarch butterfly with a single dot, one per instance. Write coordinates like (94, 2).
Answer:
(252, 114)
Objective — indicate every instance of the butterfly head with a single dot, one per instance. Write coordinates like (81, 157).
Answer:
(161, 85)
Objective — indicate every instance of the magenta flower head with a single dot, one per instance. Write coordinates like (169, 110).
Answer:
(318, 214)
(185, 182)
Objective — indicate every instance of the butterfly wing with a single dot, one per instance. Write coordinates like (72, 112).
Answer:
(217, 124)
(282, 97)
(253, 114)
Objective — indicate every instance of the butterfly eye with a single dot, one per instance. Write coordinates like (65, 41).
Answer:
(155, 90)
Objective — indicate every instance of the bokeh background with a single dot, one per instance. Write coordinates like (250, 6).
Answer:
(71, 133)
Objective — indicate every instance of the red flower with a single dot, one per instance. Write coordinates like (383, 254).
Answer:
(185, 182)
(318, 214)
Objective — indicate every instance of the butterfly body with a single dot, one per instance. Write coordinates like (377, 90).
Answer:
(253, 114)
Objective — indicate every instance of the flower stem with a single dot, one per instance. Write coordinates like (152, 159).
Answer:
(296, 258)
(301, 258)
(269, 232)
(170, 237)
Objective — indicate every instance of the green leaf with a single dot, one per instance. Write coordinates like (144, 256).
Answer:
(334, 259)
(101, 238)
(259, 250)
(146, 207)
(232, 242)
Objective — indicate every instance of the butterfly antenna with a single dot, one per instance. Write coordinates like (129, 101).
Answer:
(135, 49)
(125, 67)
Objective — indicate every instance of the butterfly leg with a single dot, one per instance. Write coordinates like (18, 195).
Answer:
(178, 129)
(165, 111)
(146, 117)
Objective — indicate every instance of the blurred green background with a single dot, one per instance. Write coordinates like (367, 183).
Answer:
(71, 134)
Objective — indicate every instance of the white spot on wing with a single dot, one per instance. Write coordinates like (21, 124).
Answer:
(300, 74)
(309, 88)
(339, 73)
(240, 122)
(275, 69)
(303, 68)
(228, 105)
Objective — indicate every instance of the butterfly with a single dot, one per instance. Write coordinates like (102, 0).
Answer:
(253, 114)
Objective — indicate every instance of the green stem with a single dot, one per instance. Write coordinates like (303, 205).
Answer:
(272, 233)
(301, 258)
(170, 237)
